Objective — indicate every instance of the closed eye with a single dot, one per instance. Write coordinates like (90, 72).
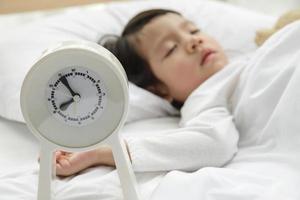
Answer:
(195, 31)
(171, 51)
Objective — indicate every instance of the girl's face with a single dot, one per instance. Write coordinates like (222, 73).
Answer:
(179, 54)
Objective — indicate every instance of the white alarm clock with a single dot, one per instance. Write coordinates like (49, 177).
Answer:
(75, 98)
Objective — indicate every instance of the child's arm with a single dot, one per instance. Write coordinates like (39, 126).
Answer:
(211, 141)
(71, 163)
(207, 135)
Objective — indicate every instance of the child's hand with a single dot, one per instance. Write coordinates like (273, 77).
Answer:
(71, 163)
(68, 164)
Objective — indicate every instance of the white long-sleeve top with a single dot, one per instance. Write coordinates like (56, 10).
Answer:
(206, 136)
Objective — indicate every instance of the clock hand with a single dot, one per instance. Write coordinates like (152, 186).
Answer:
(66, 104)
(64, 80)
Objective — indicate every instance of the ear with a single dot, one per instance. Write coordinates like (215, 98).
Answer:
(161, 90)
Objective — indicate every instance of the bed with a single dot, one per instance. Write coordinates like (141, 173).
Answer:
(254, 173)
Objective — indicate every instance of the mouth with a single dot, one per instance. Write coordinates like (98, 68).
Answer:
(206, 55)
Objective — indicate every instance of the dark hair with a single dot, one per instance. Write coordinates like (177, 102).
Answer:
(137, 68)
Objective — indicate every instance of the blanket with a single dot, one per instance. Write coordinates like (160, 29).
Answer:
(266, 109)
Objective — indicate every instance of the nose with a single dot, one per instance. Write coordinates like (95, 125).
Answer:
(193, 43)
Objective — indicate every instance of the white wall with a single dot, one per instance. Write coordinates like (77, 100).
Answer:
(273, 7)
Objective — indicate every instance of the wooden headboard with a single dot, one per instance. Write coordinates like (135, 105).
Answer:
(14, 6)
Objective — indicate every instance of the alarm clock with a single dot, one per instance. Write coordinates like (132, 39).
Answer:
(75, 98)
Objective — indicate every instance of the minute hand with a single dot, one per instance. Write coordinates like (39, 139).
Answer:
(65, 82)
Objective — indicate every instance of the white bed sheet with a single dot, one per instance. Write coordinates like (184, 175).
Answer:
(18, 147)
(19, 151)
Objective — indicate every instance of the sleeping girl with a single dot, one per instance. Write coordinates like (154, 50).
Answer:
(168, 55)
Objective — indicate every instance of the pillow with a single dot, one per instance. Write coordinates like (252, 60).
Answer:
(21, 46)
(153, 107)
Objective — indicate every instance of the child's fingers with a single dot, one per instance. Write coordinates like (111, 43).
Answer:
(64, 162)
(65, 153)
(63, 167)
(61, 154)
(58, 154)
(59, 169)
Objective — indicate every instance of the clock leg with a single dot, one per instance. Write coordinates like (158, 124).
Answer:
(47, 173)
(125, 171)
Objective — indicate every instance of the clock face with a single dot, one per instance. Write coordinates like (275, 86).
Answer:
(76, 96)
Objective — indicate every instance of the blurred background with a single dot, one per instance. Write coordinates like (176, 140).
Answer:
(272, 7)
(15, 6)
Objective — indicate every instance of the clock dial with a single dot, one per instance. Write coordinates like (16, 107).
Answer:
(76, 96)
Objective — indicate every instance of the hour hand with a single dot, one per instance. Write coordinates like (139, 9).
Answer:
(66, 104)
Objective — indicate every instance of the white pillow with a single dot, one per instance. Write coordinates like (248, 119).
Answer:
(20, 46)
(143, 104)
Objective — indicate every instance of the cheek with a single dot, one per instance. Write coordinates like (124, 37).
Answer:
(184, 76)
(183, 64)
(186, 69)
